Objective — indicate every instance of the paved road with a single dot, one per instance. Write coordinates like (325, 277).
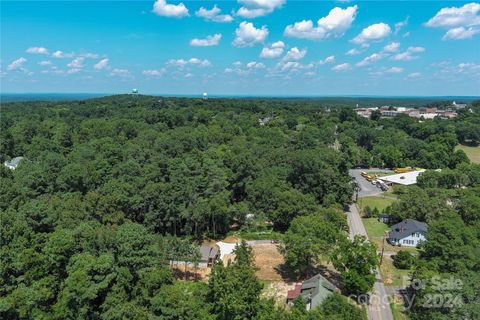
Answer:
(379, 308)
(366, 188)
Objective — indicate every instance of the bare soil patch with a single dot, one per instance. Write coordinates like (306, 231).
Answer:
(269, 262)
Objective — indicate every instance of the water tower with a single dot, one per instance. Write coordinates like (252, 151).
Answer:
(205, 96)
(135, 92)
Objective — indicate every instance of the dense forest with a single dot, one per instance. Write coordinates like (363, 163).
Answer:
(110, 189)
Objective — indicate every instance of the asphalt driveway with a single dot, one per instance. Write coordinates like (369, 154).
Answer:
(366, 188)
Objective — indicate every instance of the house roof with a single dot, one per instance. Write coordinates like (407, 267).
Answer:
(292, 294)
(406, 178)
(407, 227)
(208, 252)
(315, 290)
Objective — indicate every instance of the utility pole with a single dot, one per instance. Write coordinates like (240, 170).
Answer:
(383, 248)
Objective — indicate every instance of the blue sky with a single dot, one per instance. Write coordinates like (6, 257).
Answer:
(244, 47)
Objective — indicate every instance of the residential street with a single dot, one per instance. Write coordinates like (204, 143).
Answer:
(379, 308)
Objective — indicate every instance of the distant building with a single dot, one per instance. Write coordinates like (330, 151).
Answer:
(264, 121)
(13, 164)
(408, 233)
(459, 105)
(390, 112)
(313, 291)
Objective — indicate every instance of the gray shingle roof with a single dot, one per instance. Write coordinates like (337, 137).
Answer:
(316, 289)
(208, 252)
(407, 227)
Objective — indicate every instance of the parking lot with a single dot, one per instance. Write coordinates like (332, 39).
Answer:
(366, 188)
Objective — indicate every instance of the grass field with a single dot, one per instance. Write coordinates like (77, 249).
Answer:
(378, 202)
(396, 306)
(391, 275)
(473, 153)
(374, 227)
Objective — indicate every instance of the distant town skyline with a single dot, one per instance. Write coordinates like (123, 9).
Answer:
(244, 47)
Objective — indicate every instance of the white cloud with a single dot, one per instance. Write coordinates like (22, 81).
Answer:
(122, 73)
(61, 54)
(461, 22)
(258, 8)
(255, 65)
(456, 16)
(192, 61)
(295, 54)
(73, 70)
(394, 70)
(400, 25)
(247, 35)
(207, 42)
(375, 32)
(342, 67)
(334, 25)
(468, 66)
(213, 15)
(76, 63)
(250, 68)
(37, 50)
(273, 51)
(292, 66)
(408, 54)
(414, 75)
(102, 64)
(353, 52)
(392, 47)
(45, 63)
(329, 59)
(460, 33)
(89, 55)
(370, 59)
(154, 73)
(162, 8)
(17, 64)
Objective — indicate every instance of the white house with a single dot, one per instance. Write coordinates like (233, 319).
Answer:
(409, 233)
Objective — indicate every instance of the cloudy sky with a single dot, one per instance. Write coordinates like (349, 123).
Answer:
(244, 47)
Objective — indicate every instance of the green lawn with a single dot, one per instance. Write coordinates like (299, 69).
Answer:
(374, 227)
(378, 202)
(473, 153)
(397, 314)
(393, 276)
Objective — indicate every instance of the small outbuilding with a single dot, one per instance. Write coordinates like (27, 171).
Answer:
(385, 218)
(209, 255)
(13, 163)
(409, 233)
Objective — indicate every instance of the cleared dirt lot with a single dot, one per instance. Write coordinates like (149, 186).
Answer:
(268, 261)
